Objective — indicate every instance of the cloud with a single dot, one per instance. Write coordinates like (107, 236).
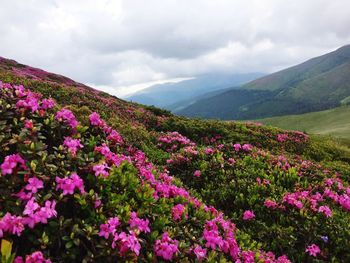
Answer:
(121, 43)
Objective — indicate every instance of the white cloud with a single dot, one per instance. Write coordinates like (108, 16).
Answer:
(122, 43)
(126, 91)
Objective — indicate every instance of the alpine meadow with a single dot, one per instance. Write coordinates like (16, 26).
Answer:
(174, 131)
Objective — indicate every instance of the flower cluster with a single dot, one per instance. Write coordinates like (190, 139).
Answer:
(245, 147)
(233, 177)
(125, 242)
(35, 257)
(36, 214)
(31, 102)
(68, 117)
(72, 145)
(69, 184)
(173, 141)
(139, 224)
(12, 163)
(178, 211)
(109, 228)
(313, 250)
(200, 252)
(166, 247)
(95, 120)
(101, 169)
(248, 215)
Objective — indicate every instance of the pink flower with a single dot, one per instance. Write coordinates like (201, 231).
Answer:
(31, 102)
(313, 250)
(36, 214)
(97, 202)
(247, 147)
(166, 247)
(36, 257)
(282, 137)
(248, 256)
(28, 124)
(47, 104)
(18, 260)
(231, 161)
(197, 173)
(128, 242)
(283, 259)
(23, 195)
(78, 182)
(270, 204)
(248, 215)
(69, 184)
(115, 137)
(11, 224)
(177, 211)
(208, 151)
(109, 228)
(140, 224)
(237, 147)
(11, 162)
(72, 145)
(200, 252)
(292, 199)
(67, 116)
(34, 184)
(325, 210)
(213, 238)
(31, 207)
(95, 119)
(20, 91)
(344, 201)
(100, 169)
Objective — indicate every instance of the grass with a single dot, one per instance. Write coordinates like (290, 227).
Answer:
(334, 122)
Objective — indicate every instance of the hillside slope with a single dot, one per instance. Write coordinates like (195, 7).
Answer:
(293, 76)
(317, 84)
(335, 122)
(88, 177)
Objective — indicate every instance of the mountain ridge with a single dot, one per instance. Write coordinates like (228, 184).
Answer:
(167, 94)
(318, 84)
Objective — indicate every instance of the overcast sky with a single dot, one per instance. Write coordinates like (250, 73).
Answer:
(120, 46)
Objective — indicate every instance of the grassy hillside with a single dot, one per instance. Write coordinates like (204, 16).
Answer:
(87, 177)
(317, 84)
(293, 76)
(335, 122)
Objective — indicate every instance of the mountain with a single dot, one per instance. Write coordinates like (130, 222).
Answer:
(87, 177)
(317, 84)
(335, 122)
(181, 93)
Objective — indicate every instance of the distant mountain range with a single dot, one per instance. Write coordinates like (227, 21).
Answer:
(175, 96)
(317, 84)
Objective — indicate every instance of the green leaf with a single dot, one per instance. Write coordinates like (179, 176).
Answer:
(6, 248)
(69, 245)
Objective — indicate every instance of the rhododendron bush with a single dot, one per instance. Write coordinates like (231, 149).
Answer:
(88, 177)
(284, 202)
(71, 193)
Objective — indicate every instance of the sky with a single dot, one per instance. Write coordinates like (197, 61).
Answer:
(121, 46)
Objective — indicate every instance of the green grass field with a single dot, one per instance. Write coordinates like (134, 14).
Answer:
(334, 122)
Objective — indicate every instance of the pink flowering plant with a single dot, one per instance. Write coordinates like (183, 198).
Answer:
(87, 176)
(71, 192)
(270, 194)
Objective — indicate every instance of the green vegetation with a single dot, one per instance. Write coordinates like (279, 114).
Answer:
(335, 122)
(98, 179)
